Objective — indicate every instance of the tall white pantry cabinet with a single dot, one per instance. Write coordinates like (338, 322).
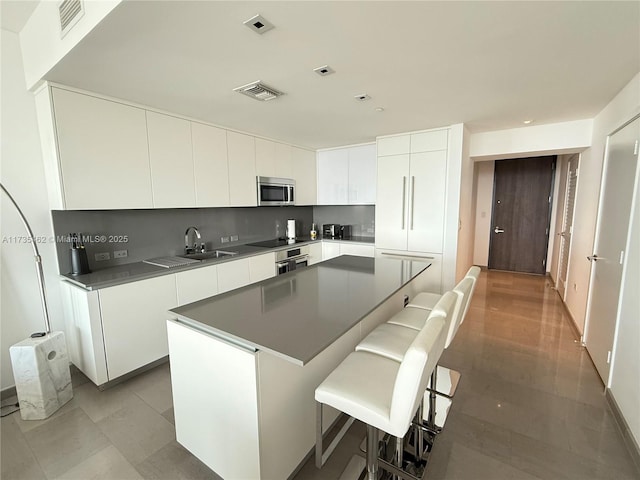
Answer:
(418, 194)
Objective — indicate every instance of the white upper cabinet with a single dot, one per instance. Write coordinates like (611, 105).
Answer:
(362, 175)
(395, 145)
(427, 186)
(241, 153)
(265, 158)
(333, 177)
(101, 144)
(171, 159)
(210, 165)
(347, 176)
(303, 167)
(392, 204)
(429, 141)
(284, 166)
(410, 206)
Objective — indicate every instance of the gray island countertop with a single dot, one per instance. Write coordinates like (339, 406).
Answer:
(299, 314)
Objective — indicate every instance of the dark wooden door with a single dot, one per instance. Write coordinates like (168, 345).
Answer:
(521, 214)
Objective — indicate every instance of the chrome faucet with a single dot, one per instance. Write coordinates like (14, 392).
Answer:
(193, 248)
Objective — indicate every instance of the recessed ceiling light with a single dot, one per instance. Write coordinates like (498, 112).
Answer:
(527, 122)
(362, 97)
(324, 70)
(259, 24)
(379, 109)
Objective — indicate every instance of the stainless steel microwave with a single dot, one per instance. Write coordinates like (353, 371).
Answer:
(274, 191)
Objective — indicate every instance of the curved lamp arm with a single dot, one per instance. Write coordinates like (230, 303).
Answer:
(36, 253)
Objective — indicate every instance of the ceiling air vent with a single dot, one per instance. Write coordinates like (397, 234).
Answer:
(70, 12)
(259, 91)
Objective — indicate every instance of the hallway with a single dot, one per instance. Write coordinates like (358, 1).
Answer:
(529, 404)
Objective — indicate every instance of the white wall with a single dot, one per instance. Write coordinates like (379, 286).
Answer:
(532, 141)
(557, 218)
(21, 172)
(452, 205)
(621, 109)
(484, 205)
(466, 231)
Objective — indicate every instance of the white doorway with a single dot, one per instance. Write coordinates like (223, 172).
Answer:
(614, 210)
(566, 231)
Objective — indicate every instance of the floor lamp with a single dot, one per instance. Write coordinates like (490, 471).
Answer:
(40, 363)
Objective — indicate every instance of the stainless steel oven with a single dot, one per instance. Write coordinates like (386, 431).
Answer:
(292, 259)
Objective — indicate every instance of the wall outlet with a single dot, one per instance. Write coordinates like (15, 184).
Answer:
(224, 239)
(234, 238)
(102, 256)
(120, 254)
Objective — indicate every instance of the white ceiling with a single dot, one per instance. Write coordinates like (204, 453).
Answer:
(490, 65)
(15, 13)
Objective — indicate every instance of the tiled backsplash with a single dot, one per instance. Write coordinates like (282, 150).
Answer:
(146, 234)
(160, 232)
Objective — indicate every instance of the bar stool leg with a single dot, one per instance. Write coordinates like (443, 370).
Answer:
(398, 457)
(431, 417)
(372, 453)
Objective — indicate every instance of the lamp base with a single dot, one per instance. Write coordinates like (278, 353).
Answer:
(42, 376)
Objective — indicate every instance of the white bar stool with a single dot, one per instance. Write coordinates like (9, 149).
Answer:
(381, 392)
(446, 379)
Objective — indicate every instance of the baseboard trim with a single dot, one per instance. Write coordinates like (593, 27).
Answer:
(8, 393)
(629, 441)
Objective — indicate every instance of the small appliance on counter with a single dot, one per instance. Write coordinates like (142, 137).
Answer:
(79, 260)
(291, 229)
(345, 232)
(331, 230)
(313, 234)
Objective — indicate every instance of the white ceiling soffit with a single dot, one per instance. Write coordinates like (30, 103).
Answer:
(490, 65)
(15, 13)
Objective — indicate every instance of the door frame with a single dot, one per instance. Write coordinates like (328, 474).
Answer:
(573, 218)
(587, 319)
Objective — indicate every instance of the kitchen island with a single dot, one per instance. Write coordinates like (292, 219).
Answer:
(245, 364)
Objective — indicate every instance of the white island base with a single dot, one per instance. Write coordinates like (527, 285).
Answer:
(249, 413)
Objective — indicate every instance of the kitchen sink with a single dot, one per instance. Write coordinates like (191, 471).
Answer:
(209, 255)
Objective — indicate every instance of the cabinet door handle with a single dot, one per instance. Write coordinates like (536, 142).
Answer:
(404, 199)
(412, 194)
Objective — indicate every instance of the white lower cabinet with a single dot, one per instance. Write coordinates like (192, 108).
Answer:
(330, 250)
(315, 253)
(357, 250)
(134, 323)
(232, 275)
(194, 285)
(262, 267)
(335, 249)
(431, 279)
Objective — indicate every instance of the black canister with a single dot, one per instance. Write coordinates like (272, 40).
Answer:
(79, 260)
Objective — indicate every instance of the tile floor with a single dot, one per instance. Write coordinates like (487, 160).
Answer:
(529, 406)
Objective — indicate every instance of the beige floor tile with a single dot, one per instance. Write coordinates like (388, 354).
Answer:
(169, 415)
(17, 461)
(28, 425)
(65, 442)
(173, 462)
(107, 464)
(465, 462)
(154, 387)
(137, 430)
(100, 404)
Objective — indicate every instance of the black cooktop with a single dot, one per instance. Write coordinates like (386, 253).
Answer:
(276, 242)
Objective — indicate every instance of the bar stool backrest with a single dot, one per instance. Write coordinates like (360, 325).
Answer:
(463, 294)
(418, 363)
